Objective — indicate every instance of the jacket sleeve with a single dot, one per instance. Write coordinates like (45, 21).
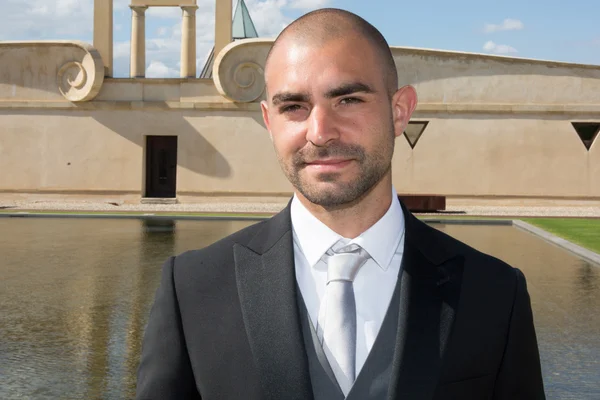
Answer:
(165, 371)
(520, 375)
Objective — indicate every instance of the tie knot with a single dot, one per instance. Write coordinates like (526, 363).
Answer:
(344, 262)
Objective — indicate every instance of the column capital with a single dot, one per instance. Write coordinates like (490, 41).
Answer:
(189, 8)
(139, 9)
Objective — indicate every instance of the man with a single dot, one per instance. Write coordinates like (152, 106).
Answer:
(344, 294)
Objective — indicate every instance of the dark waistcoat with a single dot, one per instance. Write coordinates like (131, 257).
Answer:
(373, 380)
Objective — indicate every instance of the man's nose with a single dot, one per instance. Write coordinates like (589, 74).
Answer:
(321, 126)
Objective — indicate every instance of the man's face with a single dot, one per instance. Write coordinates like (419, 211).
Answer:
(330, 117)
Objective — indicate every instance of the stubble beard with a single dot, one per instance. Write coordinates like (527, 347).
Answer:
(372, 168)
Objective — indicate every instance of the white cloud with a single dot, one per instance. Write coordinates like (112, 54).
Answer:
(492, 47)
(157, 69)
(269, 16)
(119, 5)
(56, 8)
(46, 19)
(506, 25)
(164, 12)
(308, 4)
(121, 50)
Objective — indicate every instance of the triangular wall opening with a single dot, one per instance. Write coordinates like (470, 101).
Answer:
(413, 132)
(587, 132)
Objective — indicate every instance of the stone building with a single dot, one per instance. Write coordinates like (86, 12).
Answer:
(488, 129)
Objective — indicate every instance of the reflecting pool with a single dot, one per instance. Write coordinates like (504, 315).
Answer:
(75, 295)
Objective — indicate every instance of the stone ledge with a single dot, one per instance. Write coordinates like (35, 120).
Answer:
(455, 54)
(129, 105)
(482, 108)
(457, 201)
(458, 108)
(157, 200)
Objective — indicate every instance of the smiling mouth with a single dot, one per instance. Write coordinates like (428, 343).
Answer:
(328, 165)
(328, 162)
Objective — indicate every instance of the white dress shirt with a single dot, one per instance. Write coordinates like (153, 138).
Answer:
(375, 282)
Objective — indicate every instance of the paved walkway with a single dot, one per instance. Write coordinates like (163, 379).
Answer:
(249, 207)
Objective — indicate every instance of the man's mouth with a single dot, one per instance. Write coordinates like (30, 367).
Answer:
(329, 164)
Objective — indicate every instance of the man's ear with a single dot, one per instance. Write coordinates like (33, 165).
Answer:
(265, 114)
(404, 103)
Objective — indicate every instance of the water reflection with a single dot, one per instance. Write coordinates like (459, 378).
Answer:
(75, 295)
(74, 298)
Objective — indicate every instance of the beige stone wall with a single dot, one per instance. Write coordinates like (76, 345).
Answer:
(103, 150)
(498, 127)
(498, 155)
(229, 151)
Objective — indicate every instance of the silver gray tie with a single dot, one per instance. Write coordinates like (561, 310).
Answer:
(338, 329)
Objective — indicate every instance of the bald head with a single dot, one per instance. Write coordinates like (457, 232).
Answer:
(321, 26)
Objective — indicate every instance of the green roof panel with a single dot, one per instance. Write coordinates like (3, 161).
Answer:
(243, 27)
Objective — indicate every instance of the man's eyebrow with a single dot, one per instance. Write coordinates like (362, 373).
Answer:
(291, 97)
(348, 88)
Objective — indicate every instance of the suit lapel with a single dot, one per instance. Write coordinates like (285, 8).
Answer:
(267, 288)
(429, 290)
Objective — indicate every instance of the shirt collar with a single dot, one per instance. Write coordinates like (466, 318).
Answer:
(381, 240)
(312, 236)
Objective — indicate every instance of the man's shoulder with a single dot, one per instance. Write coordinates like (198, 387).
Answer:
(486, 279)
(222, 248)
(475, 260)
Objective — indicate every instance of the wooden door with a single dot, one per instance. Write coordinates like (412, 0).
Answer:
(161, 166)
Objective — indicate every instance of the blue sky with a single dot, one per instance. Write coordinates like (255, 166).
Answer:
(542, 29)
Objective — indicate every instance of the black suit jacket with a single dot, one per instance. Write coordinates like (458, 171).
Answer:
(225, 323)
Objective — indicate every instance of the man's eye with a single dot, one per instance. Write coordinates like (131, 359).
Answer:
(290, 108)
(350, 100)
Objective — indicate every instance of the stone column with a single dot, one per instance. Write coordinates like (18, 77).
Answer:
(188, 42)
(223, 24)
(138, 42)
(103, 33)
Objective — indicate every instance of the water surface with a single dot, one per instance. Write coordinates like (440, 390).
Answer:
(75, 295)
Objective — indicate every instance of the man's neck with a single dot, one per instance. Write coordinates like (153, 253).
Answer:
(353, 219)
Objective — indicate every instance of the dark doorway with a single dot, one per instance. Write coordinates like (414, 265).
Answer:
(161, 166)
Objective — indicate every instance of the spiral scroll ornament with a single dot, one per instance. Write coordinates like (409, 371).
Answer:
(247, 83)
(238, 71)
(80, 81)
(71, 76)
(249, 74)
